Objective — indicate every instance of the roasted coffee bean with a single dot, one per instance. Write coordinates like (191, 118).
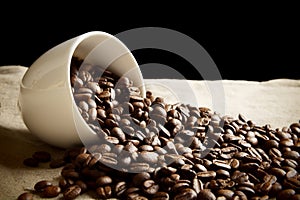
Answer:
(197, 185)
(221, 164)
(120, 188)
(118, 133)
(83, 186)
(285, 194)
(239, 195)
(111, 139)
(290, 162)
(161, 196)
(180, 184)
(287, 142)
(206, 194)
(140, 178)
(186, 194)
(150, 187)
(149, 157)
(25, 196)
(291, 173)
(271, 144)
(103, 180)
(248, 191)
(292, 183)
(291, 155)
(296, 196)
(226, 193)
(146, 148)
(104, 192)
(94, 159)
(51, 191)
(31, 162)
(41, 185)
(72, 192)
(276, 188)
(70, 173)
(139, 167)
(65, 183)
(273, 152)
(234, 163)
(223, 174)
(206, 175)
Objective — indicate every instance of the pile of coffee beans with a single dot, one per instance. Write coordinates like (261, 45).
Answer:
(149, 149)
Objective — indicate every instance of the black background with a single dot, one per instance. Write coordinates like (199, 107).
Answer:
(245, 45)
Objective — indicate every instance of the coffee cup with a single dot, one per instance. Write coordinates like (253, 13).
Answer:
(46, 99)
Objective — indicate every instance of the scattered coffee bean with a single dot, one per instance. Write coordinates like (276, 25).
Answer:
(41, 185)
(51, 191)
(25, 196)
(72, 192)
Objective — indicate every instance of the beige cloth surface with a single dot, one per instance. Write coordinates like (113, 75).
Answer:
(274, 102)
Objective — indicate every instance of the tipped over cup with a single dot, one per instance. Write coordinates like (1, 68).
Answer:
(46, 99)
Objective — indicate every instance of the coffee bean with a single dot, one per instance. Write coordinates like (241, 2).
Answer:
(150, 187)
(207, 175)
(140, 178)
(291, 173)
(287, 142)
(25, 196)
(276, 188)
(186, 194)
(83, 186)
(104, 192)
(223, 174)
(120, 188)
(221, 164)
(206, 194)
(41, 185)
(271, 144)
(139, 167)
(292, 183)
(273, 152)
(112, 140)
(118, 133)
(290, 162)
(279, 173)
(197, 185)
(51, 191)
(239, 195)
(72, 192)
(234, 163)
(103, 180)
(149, 157)
(291, 155)
(285, 194)
(248, 191)
(180, 185)
(161, 196)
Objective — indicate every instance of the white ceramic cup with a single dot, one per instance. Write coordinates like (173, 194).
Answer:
(46, 99)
